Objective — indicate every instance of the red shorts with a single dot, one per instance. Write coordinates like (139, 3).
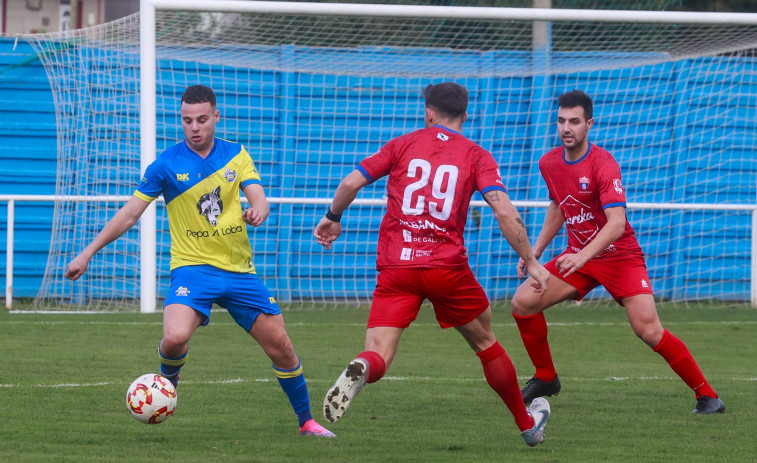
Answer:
(623, 277)
(454, 292)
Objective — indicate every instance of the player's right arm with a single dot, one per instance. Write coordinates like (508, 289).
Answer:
(553, 222)
(329, 230)
(124, 219)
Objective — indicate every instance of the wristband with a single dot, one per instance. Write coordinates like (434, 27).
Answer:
(333, 217)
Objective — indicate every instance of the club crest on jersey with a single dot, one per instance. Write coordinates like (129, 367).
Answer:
(230, 175)
(583, 182)
(618, 185)
(211, 206)
(442, 136)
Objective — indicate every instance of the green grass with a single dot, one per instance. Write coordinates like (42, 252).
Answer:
(63, 379)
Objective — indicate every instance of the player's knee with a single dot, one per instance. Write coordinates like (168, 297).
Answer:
(173, 344)
(521, 305)
(280, 350)
(651, 334)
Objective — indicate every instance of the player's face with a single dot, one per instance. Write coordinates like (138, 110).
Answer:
(573, 128)
(199, 124)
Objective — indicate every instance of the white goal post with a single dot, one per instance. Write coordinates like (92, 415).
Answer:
(312, 88)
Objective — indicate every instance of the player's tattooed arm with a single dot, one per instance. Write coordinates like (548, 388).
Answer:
(510, 222)
(522, 234)
(492, 196)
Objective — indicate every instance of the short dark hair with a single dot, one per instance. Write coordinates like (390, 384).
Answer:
(199, 94)
(577, 98)
(448, 98)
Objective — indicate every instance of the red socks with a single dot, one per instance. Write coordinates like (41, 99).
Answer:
(500, 374)
(675, 352)
(533, 332)
(376, 365)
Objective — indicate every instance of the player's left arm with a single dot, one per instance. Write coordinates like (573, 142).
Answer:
(613, 229)
(259, 210)
(512, 226)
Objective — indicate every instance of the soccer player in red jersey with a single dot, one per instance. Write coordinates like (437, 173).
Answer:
(587, 195)
(433, 172)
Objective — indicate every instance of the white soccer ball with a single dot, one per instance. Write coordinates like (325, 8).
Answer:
(151, 398)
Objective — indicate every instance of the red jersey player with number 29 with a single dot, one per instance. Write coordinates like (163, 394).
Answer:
(433, 172)
(587, 195)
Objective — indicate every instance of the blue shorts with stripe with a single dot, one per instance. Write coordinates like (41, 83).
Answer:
(243, 294)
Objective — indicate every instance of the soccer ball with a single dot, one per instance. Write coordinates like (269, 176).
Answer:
(151, 398)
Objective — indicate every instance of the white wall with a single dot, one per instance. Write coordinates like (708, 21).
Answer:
(36, 16)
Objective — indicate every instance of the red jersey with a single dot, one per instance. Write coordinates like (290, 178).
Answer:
(583, 189)
(432, 173)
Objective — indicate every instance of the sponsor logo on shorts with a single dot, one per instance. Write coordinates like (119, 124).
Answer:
(182, 291)
(272, 300)
(644, 283)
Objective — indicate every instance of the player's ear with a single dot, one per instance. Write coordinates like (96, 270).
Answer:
(429, 116)
(465, 117)
(590, 122)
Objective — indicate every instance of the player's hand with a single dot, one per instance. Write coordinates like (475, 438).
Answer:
(327, 231)
(521, 267)
(252, 217)
(540, 275)
(76, 268)
(567, 264)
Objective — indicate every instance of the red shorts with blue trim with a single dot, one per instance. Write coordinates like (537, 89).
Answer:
(456, 295)
(622, 277)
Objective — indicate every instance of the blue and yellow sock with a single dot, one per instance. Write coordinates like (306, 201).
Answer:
(294, 385)
(170, 366)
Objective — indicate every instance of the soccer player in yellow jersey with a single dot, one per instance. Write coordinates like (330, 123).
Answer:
(211, 258)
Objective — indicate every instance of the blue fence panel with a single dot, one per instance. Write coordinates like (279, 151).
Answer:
(306, 131)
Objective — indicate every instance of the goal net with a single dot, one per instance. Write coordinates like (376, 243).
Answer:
(311, 93)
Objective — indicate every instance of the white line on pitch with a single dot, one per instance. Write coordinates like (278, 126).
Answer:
(387, 378)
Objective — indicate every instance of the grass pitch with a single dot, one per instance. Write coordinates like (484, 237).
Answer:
(63, 380)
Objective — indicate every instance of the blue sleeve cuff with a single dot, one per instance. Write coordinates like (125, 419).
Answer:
(365, 174)
(253, 181)
(494, 187)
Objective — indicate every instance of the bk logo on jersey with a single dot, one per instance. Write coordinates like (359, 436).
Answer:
(182, 177)
(583, 182)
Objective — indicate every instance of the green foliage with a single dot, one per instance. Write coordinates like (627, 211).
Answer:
(620, 402)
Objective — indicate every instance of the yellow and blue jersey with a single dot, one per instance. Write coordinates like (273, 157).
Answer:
(203, 205)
